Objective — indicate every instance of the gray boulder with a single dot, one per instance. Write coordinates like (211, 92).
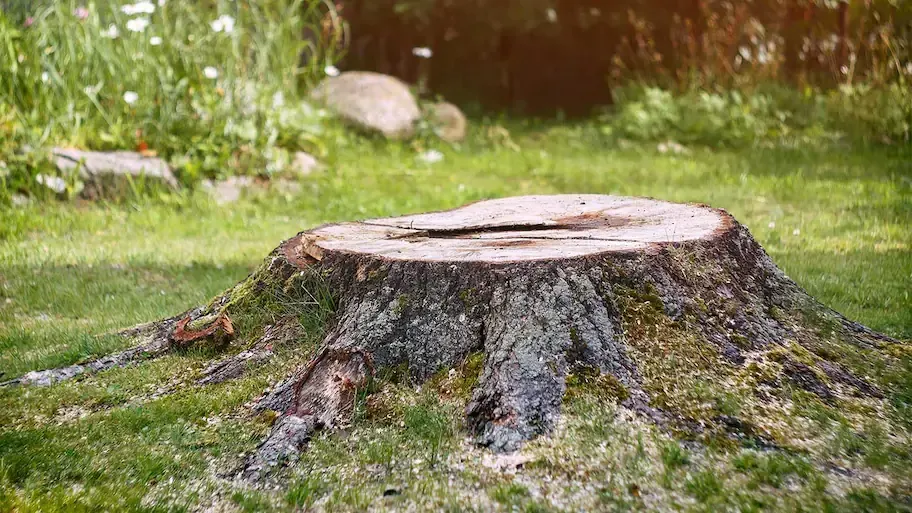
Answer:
(372, 101)
(104, 172)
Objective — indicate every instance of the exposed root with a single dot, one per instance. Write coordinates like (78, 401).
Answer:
(153, 341)
(235, 366)
(324, 397)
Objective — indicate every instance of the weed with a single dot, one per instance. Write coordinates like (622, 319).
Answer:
(704, 485)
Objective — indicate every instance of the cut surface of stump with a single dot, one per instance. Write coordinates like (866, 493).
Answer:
(520, 229)
(648, 299)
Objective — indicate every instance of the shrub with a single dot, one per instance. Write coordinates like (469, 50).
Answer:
(735, 118)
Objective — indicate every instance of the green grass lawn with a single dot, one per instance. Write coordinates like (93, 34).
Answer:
(837, 219)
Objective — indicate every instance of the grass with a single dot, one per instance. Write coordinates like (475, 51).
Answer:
(834, 217)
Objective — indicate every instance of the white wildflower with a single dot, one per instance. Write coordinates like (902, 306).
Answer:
(431, 156)
(771, 225)
(130, 97)
(223, 23)
(155, 40)
(278, 99)
(161, 3)
(138, 8)
(45, 77)
(423, 52)
(111, 32)
(796, 232)
(138, 24)
(331, 71)
(55, 183)
(745, 53)
(210, 72)
(91, 90)
(551, 14)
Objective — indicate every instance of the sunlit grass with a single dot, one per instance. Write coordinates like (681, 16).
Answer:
(835, 218)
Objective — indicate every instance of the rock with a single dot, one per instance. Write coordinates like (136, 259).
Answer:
(372, 101)
(431, 157)
(304, 163)
(227, 190)
(448, 121)
(672, 147)
(107, 172)
(20, 200)
(54, 183)
(286, 187)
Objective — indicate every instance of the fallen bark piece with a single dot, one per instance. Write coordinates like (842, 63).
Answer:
(216, 329)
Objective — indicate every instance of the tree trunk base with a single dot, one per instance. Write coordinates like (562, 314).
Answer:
(654, 302)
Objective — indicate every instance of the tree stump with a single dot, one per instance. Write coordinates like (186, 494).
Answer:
(637, 293)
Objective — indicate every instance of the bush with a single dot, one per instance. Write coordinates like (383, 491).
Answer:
(880, 114)
(732, 118)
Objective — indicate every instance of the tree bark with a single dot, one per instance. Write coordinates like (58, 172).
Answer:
(545, 287)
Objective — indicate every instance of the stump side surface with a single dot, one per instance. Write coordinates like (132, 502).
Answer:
(522, 228)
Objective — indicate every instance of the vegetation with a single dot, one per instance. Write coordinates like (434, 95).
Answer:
(812, 152)
(216, 91)
(146, 438)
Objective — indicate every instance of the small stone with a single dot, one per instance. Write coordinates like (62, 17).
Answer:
(431, 156)
(54, 183)
(448, 121)
(228, 190)
(304, 163)
(672, 147)
(286, 187)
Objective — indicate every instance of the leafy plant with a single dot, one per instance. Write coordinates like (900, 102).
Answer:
(217, 89)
